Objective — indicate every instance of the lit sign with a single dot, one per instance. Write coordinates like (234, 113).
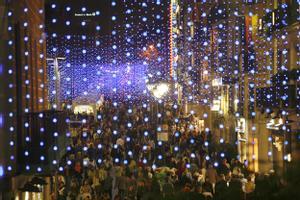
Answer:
(1, 171)
(216, 105)
(241, 125)
(83, 109)
(278, 143)
(275, 123)
(93, 14)
(217, 82)
(1, 68)
(251, 1)
(1, 120)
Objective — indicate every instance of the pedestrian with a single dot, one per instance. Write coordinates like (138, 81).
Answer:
(212, 176)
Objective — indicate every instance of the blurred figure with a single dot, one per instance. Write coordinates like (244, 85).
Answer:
(212, 176)
(249, 189)
(221, 188)
(207, 188)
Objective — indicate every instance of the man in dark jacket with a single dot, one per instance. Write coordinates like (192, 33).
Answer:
(221, 188)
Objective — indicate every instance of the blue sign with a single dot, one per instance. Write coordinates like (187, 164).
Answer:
(1, 171)
(1, 69)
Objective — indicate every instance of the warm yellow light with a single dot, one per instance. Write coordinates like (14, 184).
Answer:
(83, 109)
(260, 24)
(217, 82)
(216, 106)
(159, 90)
(26, 195)
(273, 18)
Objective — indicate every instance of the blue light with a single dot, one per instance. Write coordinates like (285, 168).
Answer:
(1, 117)
(1, 68)
(216, 164)
(1, 171)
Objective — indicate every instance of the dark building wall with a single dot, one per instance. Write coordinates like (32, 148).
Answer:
(36, 47)
(31, 76)
(14, 75)
(4, 139)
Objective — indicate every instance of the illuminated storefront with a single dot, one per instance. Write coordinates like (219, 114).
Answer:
(242, 138)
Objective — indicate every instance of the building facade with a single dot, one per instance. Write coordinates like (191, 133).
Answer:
(238, 65)
(23, 89)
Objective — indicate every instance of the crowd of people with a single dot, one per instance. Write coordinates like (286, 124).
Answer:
(116, 154)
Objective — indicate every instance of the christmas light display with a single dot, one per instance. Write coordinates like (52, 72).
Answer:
(27, 96)
(116, 62)
(204, 72)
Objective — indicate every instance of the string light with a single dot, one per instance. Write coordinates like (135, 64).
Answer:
(232, 61)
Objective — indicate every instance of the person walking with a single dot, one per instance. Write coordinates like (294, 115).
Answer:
(122, 186)
(212, 176)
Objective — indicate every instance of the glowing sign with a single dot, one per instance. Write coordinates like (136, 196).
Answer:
(1, 68)
(1, 171)
(83, 109)
(85, 14)
(1, 120)
(241, 125)
(217, 82)
(216, 105)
